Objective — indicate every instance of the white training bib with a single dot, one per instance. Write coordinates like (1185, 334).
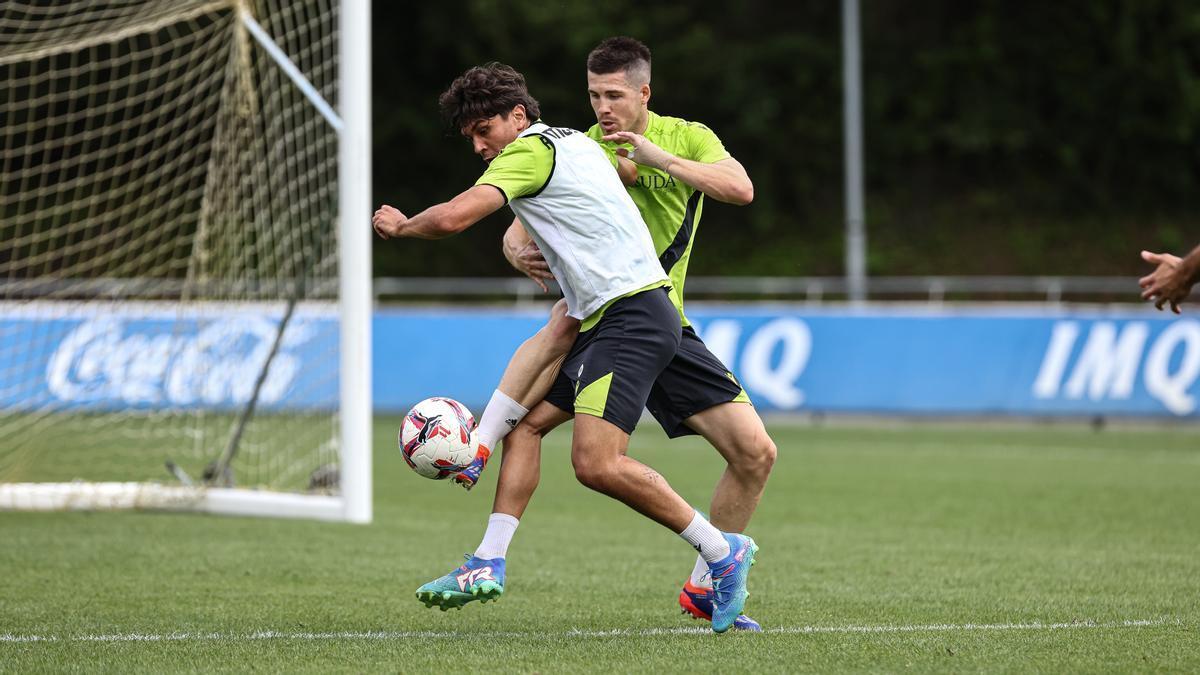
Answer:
(586, 225)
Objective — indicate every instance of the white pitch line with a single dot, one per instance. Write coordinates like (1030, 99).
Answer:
(575, 632)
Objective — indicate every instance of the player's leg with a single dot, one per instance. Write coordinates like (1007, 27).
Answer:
(520, 466)
(520, 470)
(529, 375)
(520, 462)
(615, 365)
(696, 393)
(598, 455)
(482, 576)
(623, 357)
(534, 366)
(738, 433)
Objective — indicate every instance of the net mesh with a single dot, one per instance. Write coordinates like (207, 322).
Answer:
(167, 193)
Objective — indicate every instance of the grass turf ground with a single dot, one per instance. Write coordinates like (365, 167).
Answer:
(923, 548)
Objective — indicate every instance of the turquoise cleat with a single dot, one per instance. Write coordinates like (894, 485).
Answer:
(477, 579)
(729, 581)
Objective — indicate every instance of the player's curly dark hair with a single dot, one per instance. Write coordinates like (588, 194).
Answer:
(620, 54)
(484, 91)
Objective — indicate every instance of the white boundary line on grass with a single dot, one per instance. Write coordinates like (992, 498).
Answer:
(573, 633)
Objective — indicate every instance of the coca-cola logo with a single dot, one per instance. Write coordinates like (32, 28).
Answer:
(213, 363)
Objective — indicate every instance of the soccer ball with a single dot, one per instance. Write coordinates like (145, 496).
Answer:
(435, 437)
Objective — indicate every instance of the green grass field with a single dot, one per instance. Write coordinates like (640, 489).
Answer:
(909, 548)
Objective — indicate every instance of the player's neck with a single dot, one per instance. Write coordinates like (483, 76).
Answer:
(640, 126)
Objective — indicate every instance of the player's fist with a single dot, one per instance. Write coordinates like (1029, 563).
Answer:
(389, 222)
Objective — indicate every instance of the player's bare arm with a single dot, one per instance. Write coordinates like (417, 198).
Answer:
(524, 255)
(627, 170)
(1172, 279)
(725, 180)
(442, 220)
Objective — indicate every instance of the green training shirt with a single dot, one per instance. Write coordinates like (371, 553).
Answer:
(524, 166)
(590, 231)
(521, 168)
(670, 207)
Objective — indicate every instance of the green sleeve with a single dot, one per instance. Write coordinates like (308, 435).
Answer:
(703, 145)
(521, 169)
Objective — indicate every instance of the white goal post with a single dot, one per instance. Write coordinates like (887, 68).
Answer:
(185, 256)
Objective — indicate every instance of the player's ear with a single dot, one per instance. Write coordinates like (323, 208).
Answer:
(519, 113)
(645, 92)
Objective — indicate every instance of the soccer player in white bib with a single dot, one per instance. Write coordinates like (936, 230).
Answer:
(563, 187)
(679, 162)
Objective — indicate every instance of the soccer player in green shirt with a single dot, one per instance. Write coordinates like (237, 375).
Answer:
(563, 187)
(679, 162)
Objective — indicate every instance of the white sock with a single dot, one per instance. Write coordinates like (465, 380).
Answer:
(501, 416)
(500, 530)
(701, 575)
(706, 539)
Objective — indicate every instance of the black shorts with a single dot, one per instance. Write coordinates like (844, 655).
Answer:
(695, 380)
(612, 368)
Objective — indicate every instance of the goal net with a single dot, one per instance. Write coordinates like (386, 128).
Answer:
(178, 308)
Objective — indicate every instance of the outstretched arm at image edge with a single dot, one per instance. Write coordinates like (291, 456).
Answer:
(441, 220)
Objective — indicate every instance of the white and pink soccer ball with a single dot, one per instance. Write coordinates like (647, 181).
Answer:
(435, 437)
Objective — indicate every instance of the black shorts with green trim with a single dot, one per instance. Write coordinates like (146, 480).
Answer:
(694, 380)
(610, 371)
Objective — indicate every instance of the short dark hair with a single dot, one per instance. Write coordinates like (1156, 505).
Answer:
(484, 91)
(617, 54)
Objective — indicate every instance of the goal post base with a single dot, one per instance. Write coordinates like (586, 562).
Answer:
(156, 497)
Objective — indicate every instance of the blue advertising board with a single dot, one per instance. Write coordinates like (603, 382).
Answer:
(153, 356)
(878, 360)
(967, 361)
(789, 358)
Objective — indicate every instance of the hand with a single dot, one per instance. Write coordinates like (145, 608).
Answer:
(470, 475)
(644, 152)
(1167, 283)
(529, 261)
(388, 222)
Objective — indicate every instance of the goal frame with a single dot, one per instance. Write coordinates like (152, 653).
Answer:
(354, 273)
(353, 503)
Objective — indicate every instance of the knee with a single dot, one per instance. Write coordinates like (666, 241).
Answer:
(532, 428)
(757, 458)
(769, 454)
(592, 474)
(523, 441)
(525, 429)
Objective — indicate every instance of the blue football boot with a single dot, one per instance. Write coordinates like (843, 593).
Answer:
(729, 581)
(469, 476)
(698, 602)
(477, 579)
